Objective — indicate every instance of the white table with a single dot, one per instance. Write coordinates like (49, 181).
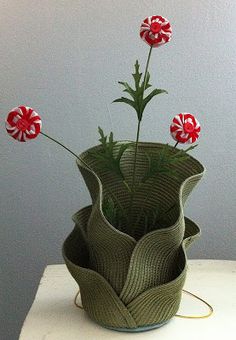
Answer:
(53, 316)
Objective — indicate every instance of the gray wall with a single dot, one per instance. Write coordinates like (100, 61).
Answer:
(64, 59)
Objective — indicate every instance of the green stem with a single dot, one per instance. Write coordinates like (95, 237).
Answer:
(67, 149)
(176, 144)
(118, 203)
(81, 160)
(135, 162)
(137, 137)
(146, 68)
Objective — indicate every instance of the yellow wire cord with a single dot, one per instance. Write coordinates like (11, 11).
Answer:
(177, 315)
(196, 316)
(75, 300)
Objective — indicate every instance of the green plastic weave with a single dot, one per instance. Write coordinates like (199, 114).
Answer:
(130, 282)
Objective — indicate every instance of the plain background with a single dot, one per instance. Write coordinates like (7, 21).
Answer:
(64, 59)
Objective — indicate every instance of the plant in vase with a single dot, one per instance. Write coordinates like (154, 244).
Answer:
(127, 250)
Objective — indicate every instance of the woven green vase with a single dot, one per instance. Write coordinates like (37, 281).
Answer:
(132, 283)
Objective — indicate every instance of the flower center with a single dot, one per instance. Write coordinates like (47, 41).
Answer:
(155, 27)
(22, 124)
(188, 127)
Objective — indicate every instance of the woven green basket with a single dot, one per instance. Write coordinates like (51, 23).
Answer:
(132, 283)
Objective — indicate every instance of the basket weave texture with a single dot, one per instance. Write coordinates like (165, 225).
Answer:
(132, 281)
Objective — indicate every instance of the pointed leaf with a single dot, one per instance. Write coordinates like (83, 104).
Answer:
(122, 149)
(137, 76)
(128, 89)
(103, 138)
(151, 95)
(147, 82)
(125, 101)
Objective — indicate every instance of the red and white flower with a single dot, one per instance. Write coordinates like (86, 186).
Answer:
(185, 128)
(23, 123)
(155, 30)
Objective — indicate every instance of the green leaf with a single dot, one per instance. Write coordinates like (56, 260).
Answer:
(103, 138)
(122, 149)
(163, 163)
(147, 82)
(109, 209)
(128, 89)
(151, 95)
(109, 156)
(139, 102)
(136, 75)
(114, 212)
(126, 101)
(111, 143)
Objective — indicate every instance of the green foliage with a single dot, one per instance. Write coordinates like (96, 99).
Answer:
(110, 210)
(113, 212)
(163, 161)
(138, 101)
(150, 96)
(106, 155)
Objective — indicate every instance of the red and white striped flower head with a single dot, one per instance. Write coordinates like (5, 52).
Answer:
(23, 123)
(185, 128)
(155, 30)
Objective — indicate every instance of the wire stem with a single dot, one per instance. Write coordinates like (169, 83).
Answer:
(146, 68)
(137, 139)
(176, 144)
(65, 147)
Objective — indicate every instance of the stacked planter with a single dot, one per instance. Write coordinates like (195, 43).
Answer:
(132, 283)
